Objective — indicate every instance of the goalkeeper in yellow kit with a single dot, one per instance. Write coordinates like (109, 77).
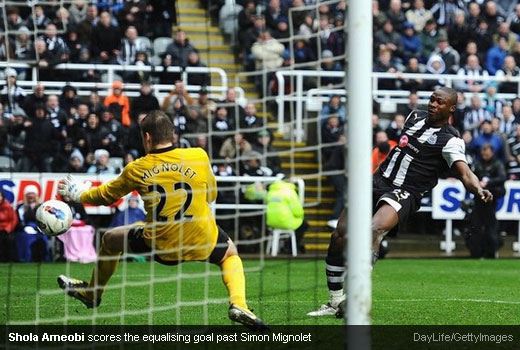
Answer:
(177, 186)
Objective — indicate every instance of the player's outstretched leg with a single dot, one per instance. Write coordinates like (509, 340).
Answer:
(383, 221)
(335, 270)
(235, 282)
(89, 294)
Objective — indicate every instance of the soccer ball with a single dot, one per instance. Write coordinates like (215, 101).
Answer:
(54, 217)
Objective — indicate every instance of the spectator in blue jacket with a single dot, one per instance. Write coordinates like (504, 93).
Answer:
(488, 136)
(412, 45)
(31, 244)
(334, 108)
(329, 65)
(496, 55)
(130, 215)
(302, 52)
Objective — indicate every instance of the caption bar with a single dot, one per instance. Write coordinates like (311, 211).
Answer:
(165, 337)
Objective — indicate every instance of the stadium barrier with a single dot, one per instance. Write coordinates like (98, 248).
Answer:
(317, 97)
(14, 184)
(298, 96)
(388, 99)
(401, 96)
(446, 200)
(132, 89)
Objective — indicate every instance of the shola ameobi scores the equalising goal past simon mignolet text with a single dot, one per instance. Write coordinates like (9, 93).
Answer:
(177, 186)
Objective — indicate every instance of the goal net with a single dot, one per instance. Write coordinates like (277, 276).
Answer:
(260, 122)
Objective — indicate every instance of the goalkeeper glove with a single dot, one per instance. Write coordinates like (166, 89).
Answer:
(72, 188)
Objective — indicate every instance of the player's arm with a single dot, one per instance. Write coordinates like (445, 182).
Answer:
(105, 194)
(454, 153)
(471, 181)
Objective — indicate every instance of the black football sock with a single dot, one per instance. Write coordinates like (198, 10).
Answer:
(335, 270)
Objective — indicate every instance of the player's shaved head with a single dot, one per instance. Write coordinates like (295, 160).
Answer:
(441, 106)
(452, 94)
(159, 125)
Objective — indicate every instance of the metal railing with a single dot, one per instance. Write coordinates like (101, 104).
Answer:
(219, 91)
(400, 96)
(252, 179)
(300, 96)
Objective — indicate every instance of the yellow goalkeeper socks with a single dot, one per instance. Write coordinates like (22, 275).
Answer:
(103, 270)
(233, 277)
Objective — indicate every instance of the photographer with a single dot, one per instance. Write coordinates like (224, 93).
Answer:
(484, 240)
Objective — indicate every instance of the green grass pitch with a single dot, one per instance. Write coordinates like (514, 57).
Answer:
(428, 292)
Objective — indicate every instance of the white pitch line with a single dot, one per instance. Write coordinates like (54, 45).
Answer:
(457, 299)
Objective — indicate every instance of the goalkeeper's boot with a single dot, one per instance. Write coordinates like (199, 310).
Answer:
(76, 289)
(324, 310)
(247, 318)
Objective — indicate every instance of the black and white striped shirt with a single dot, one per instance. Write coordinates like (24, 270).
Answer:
(507, 127)
(444, 11)
(514, 145)
(473, 77)
(129, 50)
(423, 153)
(473, 118)
(493, 106)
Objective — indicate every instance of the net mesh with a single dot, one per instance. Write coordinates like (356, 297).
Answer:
(290, 102)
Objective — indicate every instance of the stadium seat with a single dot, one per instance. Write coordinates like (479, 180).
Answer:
(273, 244)
(6, 164)
(104, 78)
(116, 162)
(147, 44)
(155, 61)
(160, 45)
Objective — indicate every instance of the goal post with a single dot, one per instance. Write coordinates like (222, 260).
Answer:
(359, 140)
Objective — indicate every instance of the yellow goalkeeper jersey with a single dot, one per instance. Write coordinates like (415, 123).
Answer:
(177, 186)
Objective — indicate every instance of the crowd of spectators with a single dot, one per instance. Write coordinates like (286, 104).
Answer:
(470, 38)
(279, 33)
(121, 32)
(266, 24)
(46, 132)
(20, 239)
(474, 39)
(49, 133)
(82, 31)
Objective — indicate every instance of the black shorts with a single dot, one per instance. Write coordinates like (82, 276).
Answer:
(404, 202)
(138, 246)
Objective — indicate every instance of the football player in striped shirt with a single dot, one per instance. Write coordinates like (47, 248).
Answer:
(427, 147)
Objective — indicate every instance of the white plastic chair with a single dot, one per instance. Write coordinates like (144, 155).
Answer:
(116, 162)
(273, 243)
(6, 164)
(146, 44)
(160, 45)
